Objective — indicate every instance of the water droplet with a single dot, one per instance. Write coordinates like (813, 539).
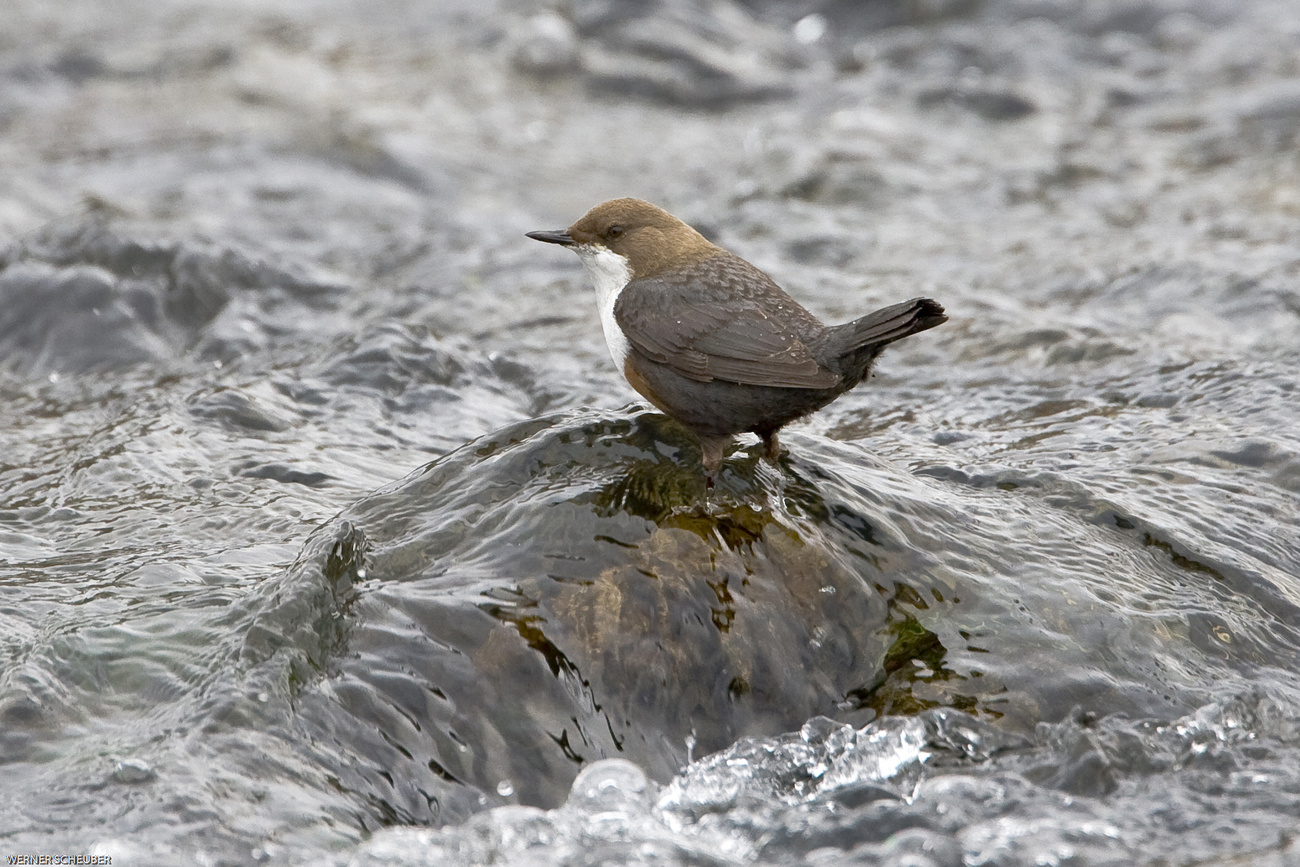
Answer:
(810, 28)
(611, 785)
(505, 788)
(133, 771)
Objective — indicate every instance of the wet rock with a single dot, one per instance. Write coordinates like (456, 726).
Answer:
(609, 615)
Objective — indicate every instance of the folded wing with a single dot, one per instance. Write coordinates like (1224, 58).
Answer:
(723, 320)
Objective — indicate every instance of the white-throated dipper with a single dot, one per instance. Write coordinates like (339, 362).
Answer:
(710, 339)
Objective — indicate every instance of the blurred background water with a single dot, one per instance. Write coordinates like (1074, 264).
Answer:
(328, 534)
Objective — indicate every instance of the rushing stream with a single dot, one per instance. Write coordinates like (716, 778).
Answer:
(330, 535)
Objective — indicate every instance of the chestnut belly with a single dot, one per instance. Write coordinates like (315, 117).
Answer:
(719, 408)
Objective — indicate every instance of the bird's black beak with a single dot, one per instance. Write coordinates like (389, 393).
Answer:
(559, 236)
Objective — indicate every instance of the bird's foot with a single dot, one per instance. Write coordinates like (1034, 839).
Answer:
(712, 451)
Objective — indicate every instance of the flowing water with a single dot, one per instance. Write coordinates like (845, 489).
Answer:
(328, 534)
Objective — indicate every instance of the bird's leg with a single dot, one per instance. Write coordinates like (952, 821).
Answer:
(771, 446)
(713, 450)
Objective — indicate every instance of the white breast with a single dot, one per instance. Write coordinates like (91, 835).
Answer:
(610, 272)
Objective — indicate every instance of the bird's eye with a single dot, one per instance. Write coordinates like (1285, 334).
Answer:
(613, 231)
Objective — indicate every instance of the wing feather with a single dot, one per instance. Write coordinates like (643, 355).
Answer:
(723, 320)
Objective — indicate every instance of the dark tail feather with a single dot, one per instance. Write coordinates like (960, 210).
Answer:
(883, 326)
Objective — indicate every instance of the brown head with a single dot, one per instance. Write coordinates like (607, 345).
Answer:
(651, 239)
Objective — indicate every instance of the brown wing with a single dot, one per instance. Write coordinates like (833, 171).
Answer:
(726, 320)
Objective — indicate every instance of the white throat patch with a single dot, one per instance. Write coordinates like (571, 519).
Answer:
(610, 272)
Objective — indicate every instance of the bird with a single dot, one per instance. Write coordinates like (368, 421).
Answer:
(710, 339)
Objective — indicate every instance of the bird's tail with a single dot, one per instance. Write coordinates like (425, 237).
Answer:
(862, 339)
